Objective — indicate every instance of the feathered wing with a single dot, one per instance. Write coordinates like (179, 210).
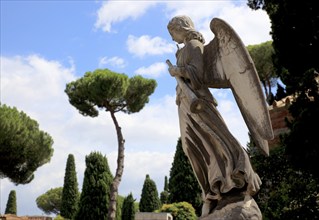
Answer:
(229, 65)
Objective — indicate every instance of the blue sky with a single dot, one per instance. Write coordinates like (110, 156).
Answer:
(46, 44)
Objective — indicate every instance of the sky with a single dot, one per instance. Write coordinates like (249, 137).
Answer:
(47, 44)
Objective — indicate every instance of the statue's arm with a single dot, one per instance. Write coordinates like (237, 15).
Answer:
(193, 66)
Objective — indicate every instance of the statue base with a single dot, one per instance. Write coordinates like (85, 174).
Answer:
(242, 210)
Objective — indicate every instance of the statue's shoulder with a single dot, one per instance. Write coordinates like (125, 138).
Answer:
(194, 43)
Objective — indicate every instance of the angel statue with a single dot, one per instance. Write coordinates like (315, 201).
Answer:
(221, 165)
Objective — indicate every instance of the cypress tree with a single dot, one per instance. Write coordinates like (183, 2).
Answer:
(70, 193)
(149, 199)
(11, 207)
(95, 196)
(164, 193)
(128, 209)
(183, 185)
(119, 207)
(165, 184)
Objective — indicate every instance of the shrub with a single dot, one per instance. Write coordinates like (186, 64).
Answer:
(180, 211)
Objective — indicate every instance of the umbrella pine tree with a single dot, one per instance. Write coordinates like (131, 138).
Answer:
(113, 92)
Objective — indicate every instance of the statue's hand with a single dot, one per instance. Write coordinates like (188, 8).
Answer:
(175, 71)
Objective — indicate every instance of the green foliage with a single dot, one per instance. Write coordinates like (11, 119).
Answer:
(70, 193)
(262, 57)
(296, 43)
(112, 91)
(58, 217)
(295, 37)
(180, 211)
(50, 202)
(23, 146)
(95, 194)
(119, 206)
(149, 201)
(301, 143)
(11, 207)
(286, 193)
(183, 185)
(164, 194)
(165, 184)
(164, 197)
(137, 93)
(128, 209)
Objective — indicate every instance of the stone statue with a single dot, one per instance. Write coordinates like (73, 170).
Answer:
(220, 163)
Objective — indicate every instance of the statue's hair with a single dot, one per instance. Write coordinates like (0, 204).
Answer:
(184, 22)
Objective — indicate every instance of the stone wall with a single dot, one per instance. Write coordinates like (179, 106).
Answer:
(153, 216)
(14, 217)
(278, 113)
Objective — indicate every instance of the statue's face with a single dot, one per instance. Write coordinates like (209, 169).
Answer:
(178, 35)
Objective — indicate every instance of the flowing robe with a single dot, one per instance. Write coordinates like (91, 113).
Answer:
(220, 163)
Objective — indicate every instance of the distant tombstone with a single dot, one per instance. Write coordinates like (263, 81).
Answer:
(153, 216)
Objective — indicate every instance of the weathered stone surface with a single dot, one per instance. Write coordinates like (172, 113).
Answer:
(220, 163)
(243, 210)
(153, 216)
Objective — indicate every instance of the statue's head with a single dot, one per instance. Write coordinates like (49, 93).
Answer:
(183, 27)
(181, 23)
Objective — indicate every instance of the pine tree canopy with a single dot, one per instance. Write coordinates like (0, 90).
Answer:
(50, 201)
(23, 146)
(115, 92)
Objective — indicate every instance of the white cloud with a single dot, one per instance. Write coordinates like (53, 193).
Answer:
(112, 61)
(145, 45)
(154, 70)
(138, 164)
(231, 114)
(112, 12)
(253, 27)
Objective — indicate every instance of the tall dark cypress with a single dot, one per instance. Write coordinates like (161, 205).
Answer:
(128, 209)
(11, 207)
(149, 201)
(95, 196)
(70, 193)
(183, 185)
(164, 193)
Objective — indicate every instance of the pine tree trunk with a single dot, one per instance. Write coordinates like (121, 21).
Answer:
(119, 170)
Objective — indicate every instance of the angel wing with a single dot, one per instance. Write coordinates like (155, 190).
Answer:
(229, 65)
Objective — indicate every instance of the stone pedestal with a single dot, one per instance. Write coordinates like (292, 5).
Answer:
(242, 210)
